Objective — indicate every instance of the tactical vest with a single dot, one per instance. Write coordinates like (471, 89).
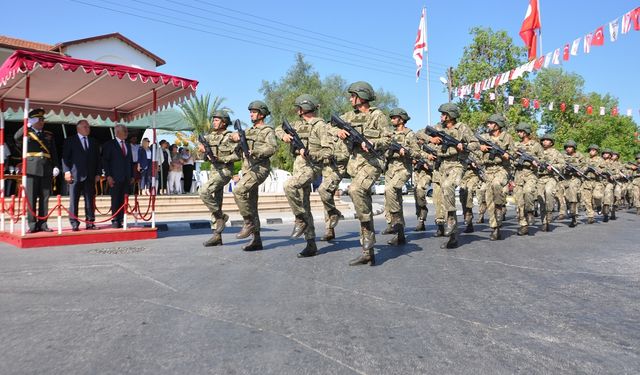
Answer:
(220, 144)
(530, 148)
(257, 137)
(360, 121)
(401, 139)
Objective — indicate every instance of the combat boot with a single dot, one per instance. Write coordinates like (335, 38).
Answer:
(469, 228)
(452, 223)
(215, 240)
(574, 215)
(591, 220)
(613, 213)
(329, 235)
(452, 242)
(367, 256)
(523, 231)
(388, 230)
(310, 250)
(605, 213)
(531, 218)
(420, 227)
(221, 223)
(546, 226)
(561, 216)
(368, 235)
(638, 211)
(299, 227)
(255, 244)
(495, 235)
(439, 230)
(399, 238)
(247, 229)
(333, 220)
(499, 215)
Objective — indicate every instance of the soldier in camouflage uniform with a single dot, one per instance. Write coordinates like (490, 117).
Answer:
(525, 190)
(498, 168)
(438, 199)
(363, 165)
(399, 169)
(592, 187)
(635, 182)
(621, 185)
(469, 185)
(262, 143)
(421, 180)
(310, 129)
(609, 182)
(335, 157)
(547, 180)
(225, 153)
(573, 182)
(451, 167)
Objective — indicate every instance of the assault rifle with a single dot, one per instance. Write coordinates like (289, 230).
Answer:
(355, 138)
(296, 142)
(574, 170)
(495, 149)
(447, 140)
(477, 167)
(208, 152)
(524, 156)
(428, 150)
(244, 145)
(592, 169)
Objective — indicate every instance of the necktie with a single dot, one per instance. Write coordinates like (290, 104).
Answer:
(124, 150)
(84, 141)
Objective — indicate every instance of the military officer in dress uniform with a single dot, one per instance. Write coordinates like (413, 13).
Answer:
(42, 166)
(225, 152)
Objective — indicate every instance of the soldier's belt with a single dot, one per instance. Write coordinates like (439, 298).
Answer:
(39, 155)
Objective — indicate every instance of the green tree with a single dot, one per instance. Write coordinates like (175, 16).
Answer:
(491, 53)
(198, 111)
(302, 78)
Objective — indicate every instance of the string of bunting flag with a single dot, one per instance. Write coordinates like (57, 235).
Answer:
(562, 106)
(596, 38)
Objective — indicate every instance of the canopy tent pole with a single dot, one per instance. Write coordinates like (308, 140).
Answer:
(23, 224)
(2, 157)
(154, 164)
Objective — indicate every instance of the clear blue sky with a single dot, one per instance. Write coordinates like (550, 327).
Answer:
(353, 32)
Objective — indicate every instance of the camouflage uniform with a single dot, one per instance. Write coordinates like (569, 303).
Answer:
(211, 192)
(635, 184)
(421, 181)
(547, 183)
(610, 167)
(525, 190)
(438, 199)
(469, 185)
(592, 187)
(573, 182)
(262, 143)
(497, 176)
(335, 156)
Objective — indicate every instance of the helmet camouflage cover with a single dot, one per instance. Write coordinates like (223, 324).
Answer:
(499, 119)
(306, 102)
(363, 90)
(259, 106)
(223, 115)
(451, 109)
(570, 143)
(399, 112)
(523, 126)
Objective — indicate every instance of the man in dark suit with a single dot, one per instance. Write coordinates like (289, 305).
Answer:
(42, 161)
(118, 167)
(82, 167)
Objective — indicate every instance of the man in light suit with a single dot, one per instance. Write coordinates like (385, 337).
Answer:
(117, 162)
(82, 167)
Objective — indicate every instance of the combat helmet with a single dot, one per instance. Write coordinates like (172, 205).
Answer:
(363, 90)
(259, 106)
(499, 119)
(399, 112)
(222, 115)
(451, 109)
(523, 126)
(306, 102)
(593, 146)
(548, 136)
(570, 143)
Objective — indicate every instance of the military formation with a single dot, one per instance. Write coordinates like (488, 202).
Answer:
(365, 144)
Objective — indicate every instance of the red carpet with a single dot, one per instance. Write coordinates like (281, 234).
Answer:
(68, 237)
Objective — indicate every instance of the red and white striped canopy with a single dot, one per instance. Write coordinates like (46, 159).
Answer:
(87, 88)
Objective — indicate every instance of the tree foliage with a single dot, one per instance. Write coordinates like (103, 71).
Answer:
(198, 111)
(302, 78)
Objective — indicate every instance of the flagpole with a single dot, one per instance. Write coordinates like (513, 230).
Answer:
(426, 56)
(540, 30)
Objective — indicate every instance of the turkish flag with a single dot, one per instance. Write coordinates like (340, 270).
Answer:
(589, 110)
(528, 30)
(598, 37)
(565, 53)
(536, 104)
(563, 106)
(525, 102)
(614, 111)
(539, 63)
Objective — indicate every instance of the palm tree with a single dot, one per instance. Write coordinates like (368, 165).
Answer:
(198, 111)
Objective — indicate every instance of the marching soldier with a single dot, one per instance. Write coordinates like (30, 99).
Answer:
(225, 152)
(547, 180)
(363, 165)
(399, 169)
(525, 179)
(498, 167)
(42, 167)
(592, 188)
(436, 184)
(609, 181)
(261, 144)
(335, 153)
(575, 163)
(306, 167)
(451, 167)
(422, 175)
(620, 187)
(635, 183)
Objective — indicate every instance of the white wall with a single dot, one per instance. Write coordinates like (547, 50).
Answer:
(113, 51)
